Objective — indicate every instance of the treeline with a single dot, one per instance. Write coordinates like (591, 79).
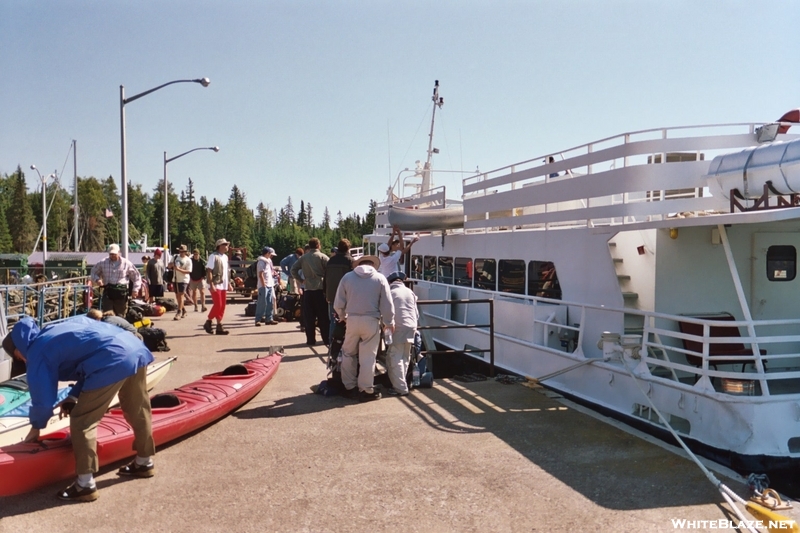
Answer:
(197, 223)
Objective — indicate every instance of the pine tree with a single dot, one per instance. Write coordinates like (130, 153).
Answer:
(326, 219)
(20, 215)
(6, 243)
(309, 217)
(301, 217)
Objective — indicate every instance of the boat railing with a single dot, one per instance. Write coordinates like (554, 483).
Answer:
(434, 198)
(722, 358)
(617, 180)
(46, 302)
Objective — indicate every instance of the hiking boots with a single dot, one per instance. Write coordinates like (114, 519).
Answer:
(177, 316)
(221, 331)
(76, 493)
(207, 327)
(364, 396)
(195, 308)
(136, 470)
(183, 313)
(204, 309)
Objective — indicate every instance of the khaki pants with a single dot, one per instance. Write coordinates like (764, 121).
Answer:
(360, 348)
(93, 404)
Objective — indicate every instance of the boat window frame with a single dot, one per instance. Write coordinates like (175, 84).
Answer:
(480, 282)
(778, 256)
(463, 264)
(503, 273)
(537, 286)
(416, 266)
(429, 269)
(441, 265)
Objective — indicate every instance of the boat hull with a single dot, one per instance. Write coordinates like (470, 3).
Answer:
(25, 467)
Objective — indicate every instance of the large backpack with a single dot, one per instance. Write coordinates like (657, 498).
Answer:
(154, 338)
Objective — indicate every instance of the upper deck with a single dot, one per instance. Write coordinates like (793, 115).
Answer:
(649, 178)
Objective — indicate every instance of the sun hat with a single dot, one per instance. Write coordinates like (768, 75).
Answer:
(376, 262)
(220, 242)
(183, 248)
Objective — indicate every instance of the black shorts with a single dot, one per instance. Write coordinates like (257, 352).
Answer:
(181, 287)
(156, 291)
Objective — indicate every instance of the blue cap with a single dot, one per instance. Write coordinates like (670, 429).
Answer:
(268, 250)
(394, 276)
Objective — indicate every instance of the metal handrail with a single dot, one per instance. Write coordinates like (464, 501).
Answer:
(490, 325)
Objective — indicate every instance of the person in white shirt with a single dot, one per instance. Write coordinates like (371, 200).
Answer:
(265, 272)
(218, 277)
(183, 268)
(406, 317)
(391, 253)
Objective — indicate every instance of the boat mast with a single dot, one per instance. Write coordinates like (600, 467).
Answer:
(426, 172)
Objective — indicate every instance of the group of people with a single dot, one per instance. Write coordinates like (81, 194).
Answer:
(366, 294)
(104, 358)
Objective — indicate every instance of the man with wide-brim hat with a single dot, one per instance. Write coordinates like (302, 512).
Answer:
(183, 268)
(115, 274)
(218, 277)
(362, 300)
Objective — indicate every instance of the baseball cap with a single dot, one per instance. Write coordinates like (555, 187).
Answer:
(394, 276)
(268, 250)
(383, 248)
(113, 249)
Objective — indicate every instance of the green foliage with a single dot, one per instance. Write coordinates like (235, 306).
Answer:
(195, 223)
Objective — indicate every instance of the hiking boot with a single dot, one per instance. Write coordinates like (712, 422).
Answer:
(221, 331)
(177, 316)
(204, 309)
(395, 392)
(368, 396)
(137, 470)
(350, 394)
(207, 327)
(258, 324)
(76, 493)
(183, 312)
(271, 323)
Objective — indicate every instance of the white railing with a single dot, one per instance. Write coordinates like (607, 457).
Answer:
(611, 181)
(701, 361)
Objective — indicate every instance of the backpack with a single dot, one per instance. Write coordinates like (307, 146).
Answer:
(154, 338)
(170, 304)
(251, 270)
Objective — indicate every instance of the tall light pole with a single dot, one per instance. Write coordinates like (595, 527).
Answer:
(124, 179)
(166, 194)
(44, 216)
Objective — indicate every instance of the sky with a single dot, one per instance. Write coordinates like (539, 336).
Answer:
(328, 102)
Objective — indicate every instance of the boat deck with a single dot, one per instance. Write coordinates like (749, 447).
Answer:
(461, 457)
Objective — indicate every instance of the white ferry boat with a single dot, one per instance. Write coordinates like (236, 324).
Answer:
(653, 266)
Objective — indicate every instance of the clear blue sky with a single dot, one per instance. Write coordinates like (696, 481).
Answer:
(327, 101)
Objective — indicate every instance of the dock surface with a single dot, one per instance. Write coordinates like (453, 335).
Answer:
(459, 457)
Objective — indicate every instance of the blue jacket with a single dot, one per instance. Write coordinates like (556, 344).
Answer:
(91, 353)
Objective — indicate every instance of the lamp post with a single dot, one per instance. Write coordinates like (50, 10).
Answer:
(44, 216)
(124, 179)
(166, 193)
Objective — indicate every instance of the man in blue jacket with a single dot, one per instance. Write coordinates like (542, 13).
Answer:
(103, 360)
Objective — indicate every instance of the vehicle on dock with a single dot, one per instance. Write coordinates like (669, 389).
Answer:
(651, 271)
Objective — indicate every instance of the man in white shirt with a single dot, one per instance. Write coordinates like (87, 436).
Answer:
(391, 253)
(183, 267)
(218, 277)
(265, 272)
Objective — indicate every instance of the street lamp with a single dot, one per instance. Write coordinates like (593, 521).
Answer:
(124, 179)
(44, 216)
(166, 193)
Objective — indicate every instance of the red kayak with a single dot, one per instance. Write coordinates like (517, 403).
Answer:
(25, 467)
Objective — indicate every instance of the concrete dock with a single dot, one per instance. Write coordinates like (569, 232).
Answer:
(459, 457)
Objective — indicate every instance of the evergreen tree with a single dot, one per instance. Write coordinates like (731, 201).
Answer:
(301, 217)
(326, 219)
(140, 214)
(20, 215)
(189, 230)
(309, 217)
(289, 209)
(6, 243)
(92, 207)
(241, 220)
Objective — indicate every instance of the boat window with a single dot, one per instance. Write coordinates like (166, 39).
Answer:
(463, 271)
(429, 268)
(542, 280)
(446, 270)
(486, 274)
(416, 266)
(781, 263)
(512, 276)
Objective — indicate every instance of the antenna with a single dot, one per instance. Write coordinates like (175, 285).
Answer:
(438, 101)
